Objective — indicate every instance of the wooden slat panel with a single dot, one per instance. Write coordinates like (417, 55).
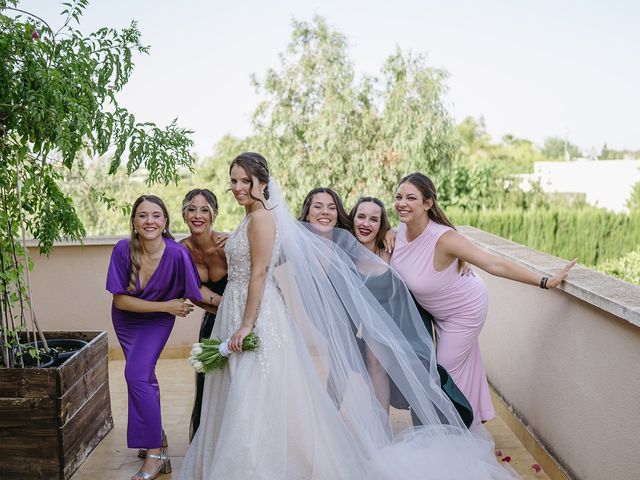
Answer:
(87, 336)
(75, 368)
(28, 382)
(33, 427)
(84, 431)
(26, 468)
(86, 386)
(28, 438)
(79, 451)
(19, 413)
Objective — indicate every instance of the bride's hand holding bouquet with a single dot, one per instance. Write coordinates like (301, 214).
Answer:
(237, 339)
(212, 353)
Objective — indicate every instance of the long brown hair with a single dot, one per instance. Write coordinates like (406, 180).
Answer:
(343, 220)
(385, 226)
(135, 247)
(256, 165)
(428, 190)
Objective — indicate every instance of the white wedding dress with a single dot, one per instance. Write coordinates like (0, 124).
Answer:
(272, 414)
(262, 417)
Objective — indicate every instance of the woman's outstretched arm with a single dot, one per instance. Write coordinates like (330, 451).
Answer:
(452, 245)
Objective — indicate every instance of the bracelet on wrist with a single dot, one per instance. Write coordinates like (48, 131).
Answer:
(543, 283)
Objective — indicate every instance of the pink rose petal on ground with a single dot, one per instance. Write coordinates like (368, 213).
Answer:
(506, 459)
(536, 467)
(498, 453)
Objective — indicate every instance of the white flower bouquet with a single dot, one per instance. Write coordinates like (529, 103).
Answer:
(212, 353)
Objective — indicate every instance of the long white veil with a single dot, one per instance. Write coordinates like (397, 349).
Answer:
(345, 300)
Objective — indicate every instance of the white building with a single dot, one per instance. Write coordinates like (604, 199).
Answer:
(605, 183)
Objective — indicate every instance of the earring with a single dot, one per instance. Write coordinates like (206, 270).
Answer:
(164, 231)
(135, 232)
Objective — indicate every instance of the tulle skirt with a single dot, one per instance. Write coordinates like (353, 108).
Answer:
(267, 415)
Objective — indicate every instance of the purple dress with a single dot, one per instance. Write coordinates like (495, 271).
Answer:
(143, 335)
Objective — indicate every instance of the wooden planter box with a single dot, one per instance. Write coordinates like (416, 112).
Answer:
(52, 418)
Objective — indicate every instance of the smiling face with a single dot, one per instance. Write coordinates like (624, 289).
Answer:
(241, 187)
(410, 203)
(323, 211)
(198, 215)
(366, 223)
(149, 220)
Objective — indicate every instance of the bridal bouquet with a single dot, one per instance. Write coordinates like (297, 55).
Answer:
(212, 353)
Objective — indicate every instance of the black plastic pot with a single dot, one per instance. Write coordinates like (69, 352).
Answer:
(46, 360)
(64, 348)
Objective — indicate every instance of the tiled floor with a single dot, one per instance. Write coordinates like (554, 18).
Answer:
(111, 460)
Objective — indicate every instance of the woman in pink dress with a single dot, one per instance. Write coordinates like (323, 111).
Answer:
(429, 255)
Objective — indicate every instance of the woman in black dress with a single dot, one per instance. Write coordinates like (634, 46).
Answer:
(199, 210)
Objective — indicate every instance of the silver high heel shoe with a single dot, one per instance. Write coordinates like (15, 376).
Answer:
(142, 452)
(165, 466)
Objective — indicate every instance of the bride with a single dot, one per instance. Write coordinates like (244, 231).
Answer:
(268, 414)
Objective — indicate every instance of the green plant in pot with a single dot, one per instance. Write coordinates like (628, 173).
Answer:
(58, 106)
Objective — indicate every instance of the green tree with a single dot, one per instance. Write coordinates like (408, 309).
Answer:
(626, 268)
(633, 204)
(556, 148)
(473, 137)
(483, 176)
(102, 201)
(318, 125)
(516, 155)
(610, 154)
(417, 131)
(58, 100)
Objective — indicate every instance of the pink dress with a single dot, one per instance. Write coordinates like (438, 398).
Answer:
(459, 306)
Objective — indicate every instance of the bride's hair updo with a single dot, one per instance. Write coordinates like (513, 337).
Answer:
(255, 165)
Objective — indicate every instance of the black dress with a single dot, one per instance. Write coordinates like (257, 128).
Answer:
(379, 286)
(208, 320)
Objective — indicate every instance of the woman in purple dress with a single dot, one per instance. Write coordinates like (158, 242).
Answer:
(150, 276)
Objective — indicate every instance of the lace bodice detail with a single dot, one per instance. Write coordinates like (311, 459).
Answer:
(239, 259)
(271, 334)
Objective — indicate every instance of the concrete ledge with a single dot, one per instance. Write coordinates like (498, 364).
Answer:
(615, 296)
(106, 240)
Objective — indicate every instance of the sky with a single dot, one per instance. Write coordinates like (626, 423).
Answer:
(532, 69)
